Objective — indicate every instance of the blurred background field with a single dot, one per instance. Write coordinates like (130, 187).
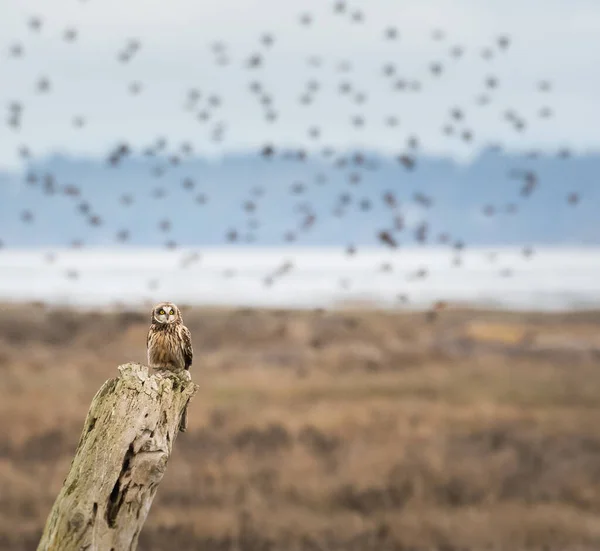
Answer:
(354, 429)
(380, 221)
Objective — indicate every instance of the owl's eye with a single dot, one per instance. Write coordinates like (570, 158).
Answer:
(172, 312)
(161, 312)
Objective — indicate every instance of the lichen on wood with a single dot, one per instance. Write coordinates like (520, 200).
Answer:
(120, 460)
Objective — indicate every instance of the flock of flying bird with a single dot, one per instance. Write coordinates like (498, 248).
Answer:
(206, 106)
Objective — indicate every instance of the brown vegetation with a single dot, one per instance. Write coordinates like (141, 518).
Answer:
(348, 430)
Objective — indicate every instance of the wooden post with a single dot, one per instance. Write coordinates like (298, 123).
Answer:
(120, 460)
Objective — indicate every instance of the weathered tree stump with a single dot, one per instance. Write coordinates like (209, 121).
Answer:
(120, 460)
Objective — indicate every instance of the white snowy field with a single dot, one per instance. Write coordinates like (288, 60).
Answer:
(553, 279)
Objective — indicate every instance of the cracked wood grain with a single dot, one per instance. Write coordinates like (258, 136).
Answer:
(120, 460)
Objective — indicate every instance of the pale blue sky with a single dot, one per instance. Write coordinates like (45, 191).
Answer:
(551, 39)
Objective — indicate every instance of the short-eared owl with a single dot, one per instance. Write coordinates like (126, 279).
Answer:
(169, 342)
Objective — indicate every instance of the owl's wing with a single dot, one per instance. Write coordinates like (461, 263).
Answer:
(148, 338)
(188, 352)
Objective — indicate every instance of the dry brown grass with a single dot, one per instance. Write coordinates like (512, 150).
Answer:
(348, 430)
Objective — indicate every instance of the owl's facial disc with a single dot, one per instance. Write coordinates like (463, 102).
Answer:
(165, 313)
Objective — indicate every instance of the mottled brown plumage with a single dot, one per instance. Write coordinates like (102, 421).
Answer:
(169, 342)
